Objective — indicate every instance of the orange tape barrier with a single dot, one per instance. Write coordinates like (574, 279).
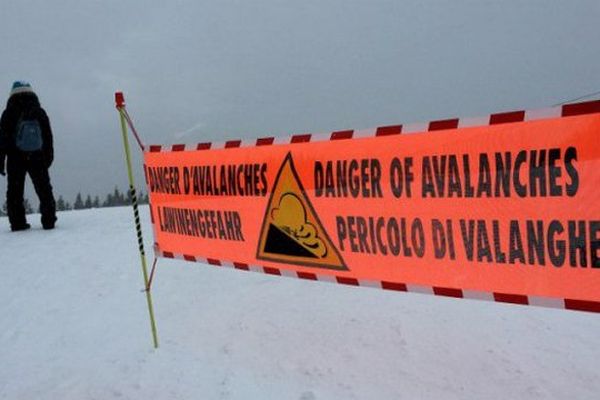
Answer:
(505, 208)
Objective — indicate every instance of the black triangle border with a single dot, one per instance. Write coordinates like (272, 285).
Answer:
(343, 266)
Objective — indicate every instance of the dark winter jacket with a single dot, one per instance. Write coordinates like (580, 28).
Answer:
(17, 105)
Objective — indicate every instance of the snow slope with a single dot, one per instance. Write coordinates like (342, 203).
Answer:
(74, 325)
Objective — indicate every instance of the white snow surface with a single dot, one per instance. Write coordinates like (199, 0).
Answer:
(74, 325)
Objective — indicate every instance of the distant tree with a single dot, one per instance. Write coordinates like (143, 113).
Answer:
(3, 210)
(60, 204)
(78, 205)
(117, 197)
(88, 202)
(108, 202)
(68, 206)
(143, 198)
(120, 198)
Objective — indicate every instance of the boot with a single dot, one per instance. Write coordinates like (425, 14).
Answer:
(20, 227)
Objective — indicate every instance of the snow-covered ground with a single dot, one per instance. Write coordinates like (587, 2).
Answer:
(74, 325)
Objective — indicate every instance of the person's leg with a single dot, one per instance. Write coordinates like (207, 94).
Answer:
(41, 182)
(15, 170)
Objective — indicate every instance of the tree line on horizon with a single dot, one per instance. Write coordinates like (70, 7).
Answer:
(116, 198)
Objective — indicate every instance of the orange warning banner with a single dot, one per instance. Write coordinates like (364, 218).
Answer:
(504, 208)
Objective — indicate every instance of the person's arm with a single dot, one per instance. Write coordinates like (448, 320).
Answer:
(48, 146)
(3, 143)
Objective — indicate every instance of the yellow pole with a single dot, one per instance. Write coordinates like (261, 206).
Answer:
(120, 102)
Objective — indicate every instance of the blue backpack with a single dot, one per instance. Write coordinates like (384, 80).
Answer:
(28, 135)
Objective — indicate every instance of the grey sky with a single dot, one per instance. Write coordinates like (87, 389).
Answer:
(201, 71)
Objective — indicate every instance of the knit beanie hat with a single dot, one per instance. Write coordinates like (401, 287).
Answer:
(21, 87)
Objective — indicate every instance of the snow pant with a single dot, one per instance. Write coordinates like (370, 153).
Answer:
(18, 166)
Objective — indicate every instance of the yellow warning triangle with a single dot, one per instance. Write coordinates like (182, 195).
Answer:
(291, 231)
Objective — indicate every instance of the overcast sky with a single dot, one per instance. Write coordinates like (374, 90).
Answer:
(214, 70)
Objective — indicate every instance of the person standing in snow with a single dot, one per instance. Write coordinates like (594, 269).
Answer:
(26, 146)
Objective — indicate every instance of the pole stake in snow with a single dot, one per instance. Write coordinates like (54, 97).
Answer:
(125, 120)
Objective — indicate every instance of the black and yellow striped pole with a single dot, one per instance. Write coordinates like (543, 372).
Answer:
(120, 103)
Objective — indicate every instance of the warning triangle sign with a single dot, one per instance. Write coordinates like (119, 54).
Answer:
(291, 231)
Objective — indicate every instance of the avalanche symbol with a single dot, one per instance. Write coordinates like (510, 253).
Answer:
(291, 231)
